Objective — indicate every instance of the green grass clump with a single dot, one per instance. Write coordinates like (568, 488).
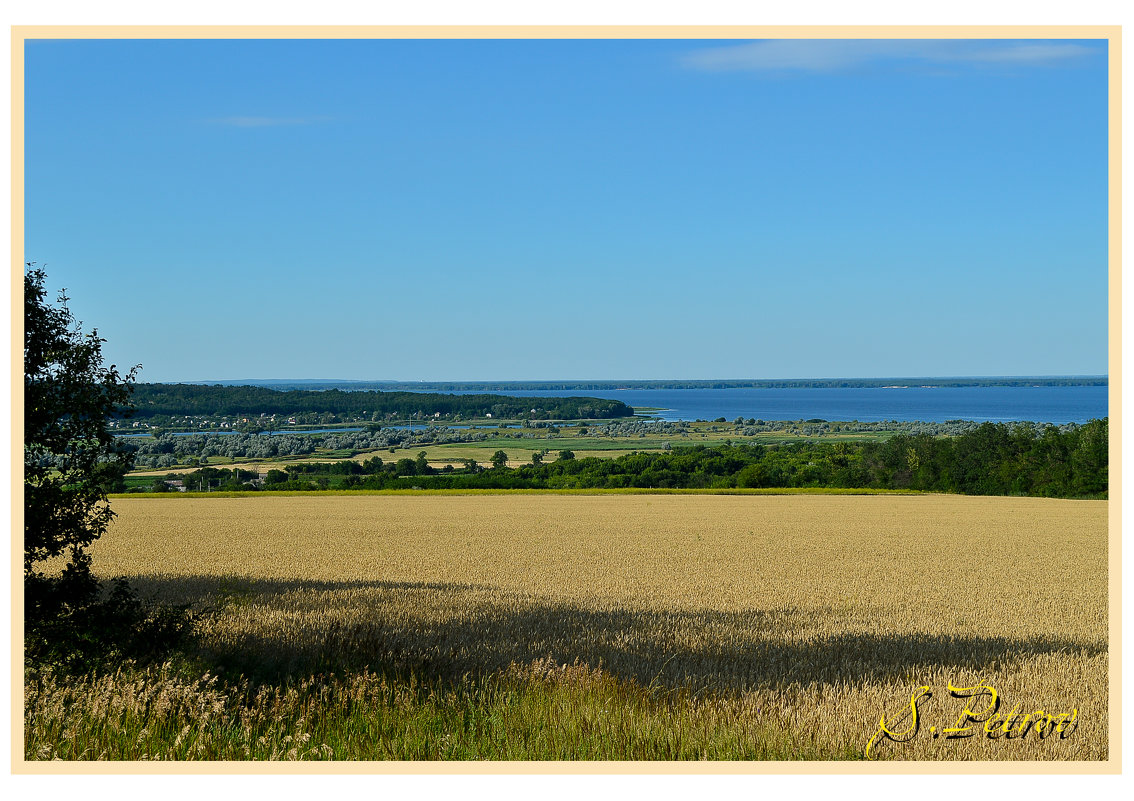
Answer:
(541, 711)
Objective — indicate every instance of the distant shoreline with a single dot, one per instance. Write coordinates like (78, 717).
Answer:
(582, 386)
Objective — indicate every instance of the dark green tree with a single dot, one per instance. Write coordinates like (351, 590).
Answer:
(1089, 458)
(279, 476)
(499, 459)
(70, 460)
(69, 455)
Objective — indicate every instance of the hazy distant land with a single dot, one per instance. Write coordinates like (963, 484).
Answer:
(712, 383)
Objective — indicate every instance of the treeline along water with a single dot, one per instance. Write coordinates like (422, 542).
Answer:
(172, 400)
(575, 387)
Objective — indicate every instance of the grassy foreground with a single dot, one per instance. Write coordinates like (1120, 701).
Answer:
(541, 711)
(598, 627)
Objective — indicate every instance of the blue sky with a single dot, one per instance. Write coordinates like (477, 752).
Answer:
(551, 209)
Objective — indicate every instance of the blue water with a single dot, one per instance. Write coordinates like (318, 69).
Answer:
(932, 404)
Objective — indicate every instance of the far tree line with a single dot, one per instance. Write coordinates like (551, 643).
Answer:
(755, 383)
(172, 400)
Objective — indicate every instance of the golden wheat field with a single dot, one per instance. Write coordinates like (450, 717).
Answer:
(815, 614)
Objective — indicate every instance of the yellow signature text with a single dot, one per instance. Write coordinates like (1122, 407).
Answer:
(979, 715)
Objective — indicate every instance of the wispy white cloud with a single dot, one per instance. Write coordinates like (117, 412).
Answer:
(834, 55)
(264, 122)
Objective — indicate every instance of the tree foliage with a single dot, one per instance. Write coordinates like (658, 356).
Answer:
(70, 462)
(990, 459)
(69, 456)
(175, 400)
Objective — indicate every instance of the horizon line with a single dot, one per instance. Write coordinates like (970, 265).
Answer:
(616, 380)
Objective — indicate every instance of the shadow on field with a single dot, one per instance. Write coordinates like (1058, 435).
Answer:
(272, 630)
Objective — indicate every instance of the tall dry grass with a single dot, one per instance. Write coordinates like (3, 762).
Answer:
(750, 627)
